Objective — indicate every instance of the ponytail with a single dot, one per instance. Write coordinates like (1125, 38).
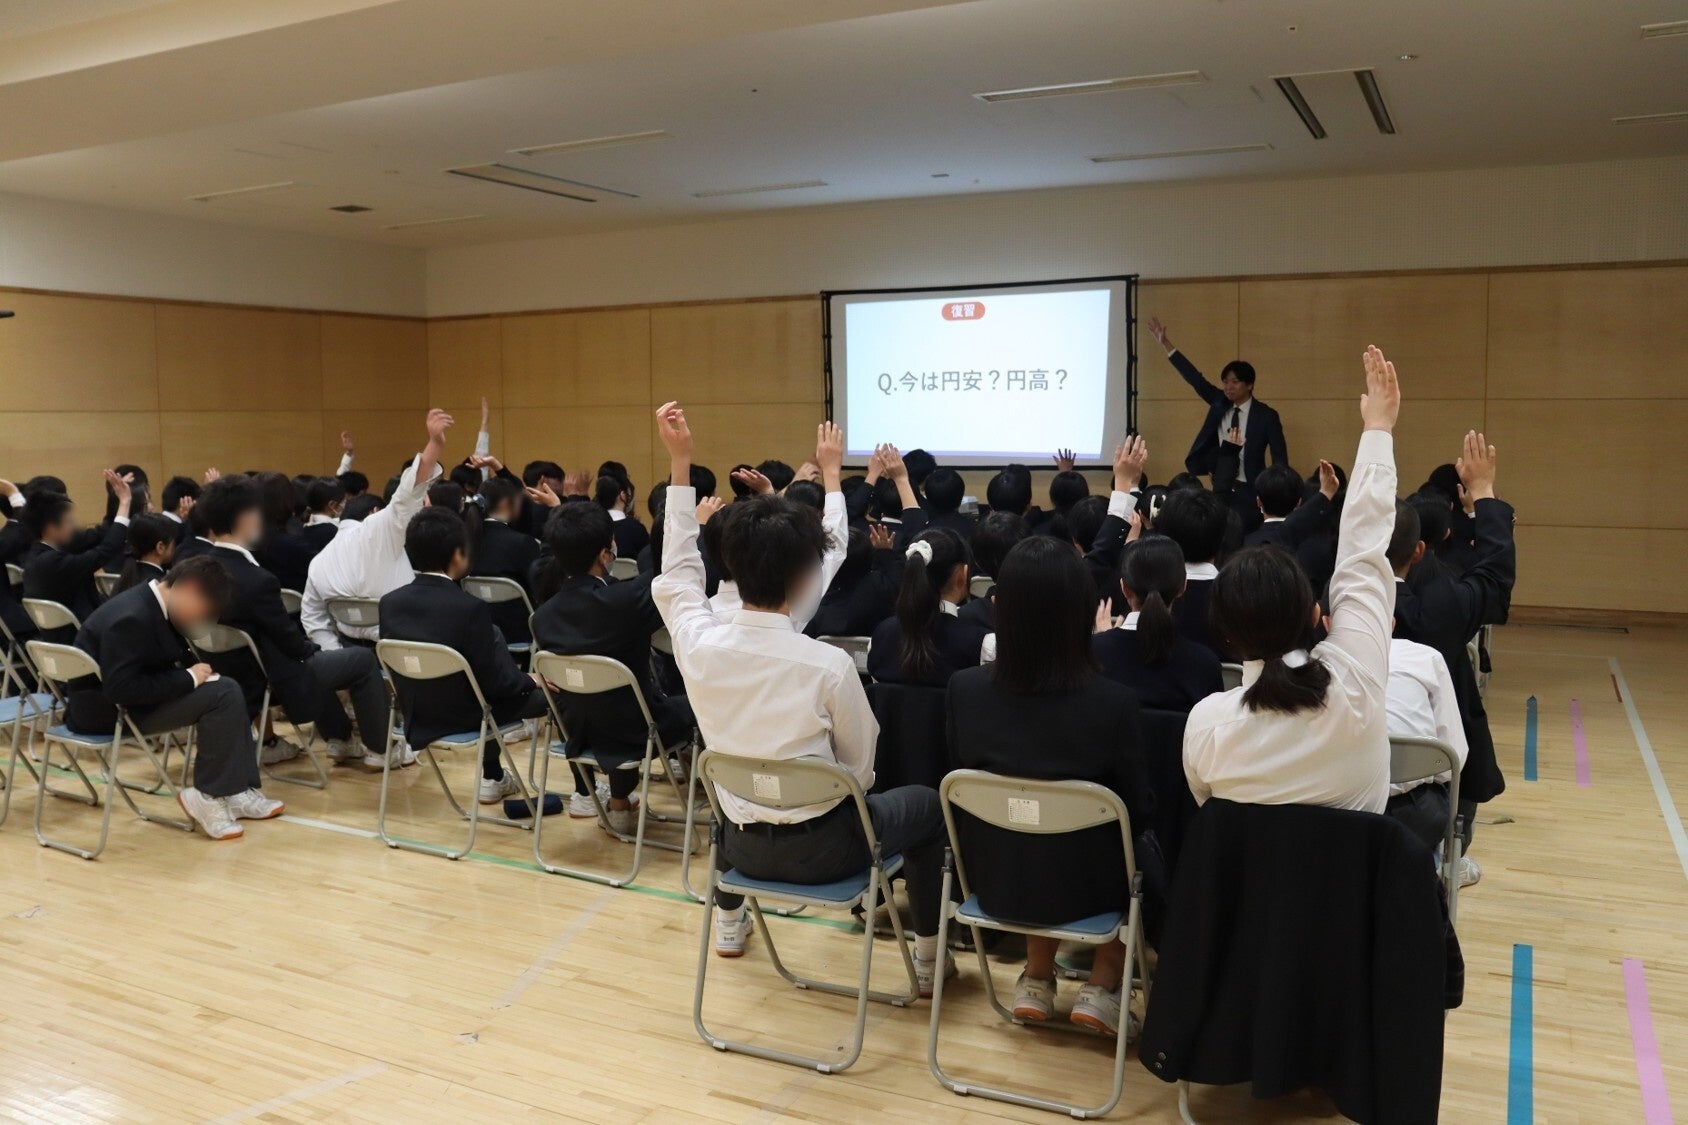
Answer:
(1152, 569)
(1262, 609)
(1290, 690)
(147, 533)
(927, 565)
(1157, 633)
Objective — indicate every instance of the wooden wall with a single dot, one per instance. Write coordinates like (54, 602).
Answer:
(1573, 373)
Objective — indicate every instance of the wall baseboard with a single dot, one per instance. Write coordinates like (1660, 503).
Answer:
(1594, 618)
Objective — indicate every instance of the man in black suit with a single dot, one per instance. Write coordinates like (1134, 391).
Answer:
(1237, 433)
(1288, 519)
(146, 668)
(179, 496)
(592, 615)
(61, 566)
(303, 677)
(1438, 608)
(435, 610)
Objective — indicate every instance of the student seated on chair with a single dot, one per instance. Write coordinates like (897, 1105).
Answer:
(1146, 652)
(147, 668)
(613, 492)
(304, 678)
(927, 641)
(590, 614)
(1288, 518)
(61, 566)
(1422, 703)
(996, 535)
(763, 690)
(1197, 520)
(434, 609)
(326, 499)
(1042, 710)
(176, 501)
(284, 550)
(148, 551)
(502, 550)
(1309, 727)
(944, 491)
(864, 591)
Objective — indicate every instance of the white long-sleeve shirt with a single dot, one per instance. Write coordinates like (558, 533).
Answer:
(1338, 755)
(1420, 701)
(835, 521)
(759, 689)
(365, 559)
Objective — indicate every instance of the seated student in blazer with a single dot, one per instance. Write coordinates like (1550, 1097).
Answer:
(1066, 489)
(1009, 492)
(587, 613)
(1309, 726)
(176, 501)
(1197, 521)
(996, 535)
(613, 492)
(15, 542)
(1422, 703)
(284, 550)
(304, 678)
(325, 497)
(775, 694)
(1042, 710)
(1146, 652)
(864, 591)
(502, 550)
(1439, 608)
(1237, 424)
(61, 565)
(1288, 520)
(148, 551)
(147, 668)
(944, 491)
(1317, 551)
(540, 475)
(434, 609)
(927, 642)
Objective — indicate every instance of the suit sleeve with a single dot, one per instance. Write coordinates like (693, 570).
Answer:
(1486, 588)
(1276, 442)
(1307, 519)
(276, 624)
(125, 678)
(1193, 376)
(109, 546)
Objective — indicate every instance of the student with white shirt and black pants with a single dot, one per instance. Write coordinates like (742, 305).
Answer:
(1421, 704)
(763, 690)
(1309, 728)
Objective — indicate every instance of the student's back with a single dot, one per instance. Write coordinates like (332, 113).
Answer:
(1190, 674)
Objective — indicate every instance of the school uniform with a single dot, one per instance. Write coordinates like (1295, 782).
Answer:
(1190, 611)
(1186, 677)
(1289, 532)
(630, 535)
(287, 555)
(855, 608)
(502, 551)
(66, 575)
(959, 644)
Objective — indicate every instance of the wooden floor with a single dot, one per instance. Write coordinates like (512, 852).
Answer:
(308, 973)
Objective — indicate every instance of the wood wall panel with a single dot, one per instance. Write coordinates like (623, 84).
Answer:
(1570, 334)
(1602, 568)
(537, 433)
(238, 359)
(384, 438)
(465, 361)
(1608, 463)
(586, 358)
(1201, 318)
(1428, 434)
(76, 447)
(369, 363)
(79, 353)
(236, 441)
(726, 435)
(756, 352)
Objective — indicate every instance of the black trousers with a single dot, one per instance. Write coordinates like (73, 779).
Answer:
(674, 723)
(1424, 810)
(225, 759)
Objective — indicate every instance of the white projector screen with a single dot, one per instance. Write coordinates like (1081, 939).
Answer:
(985, 375)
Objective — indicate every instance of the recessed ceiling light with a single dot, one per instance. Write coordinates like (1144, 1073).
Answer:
(350, 208)
(536, 181)
(210, 195)
(594, 142)
(1171, 154)
(1674, 118)
(797, 185)
(432, 222)
(1099, 86)
(1664, 30)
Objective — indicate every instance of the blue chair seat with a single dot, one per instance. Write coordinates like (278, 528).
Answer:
(841, 893)
(40, 703)
(1097, 925)
(471, 737)
(62, 733)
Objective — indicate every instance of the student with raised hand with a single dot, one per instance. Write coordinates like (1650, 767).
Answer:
(1309, 727)
(762, 690)
(1043, 711)
(148, 551)
(176, 502)
(927, 642)
(1145, 651)
(60, 567)
(1288, 519)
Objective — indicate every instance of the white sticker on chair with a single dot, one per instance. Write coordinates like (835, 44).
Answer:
(765, 785)
(51, 665)
(574, 677)
(1023, 810)
(354, 614)
(413, 665)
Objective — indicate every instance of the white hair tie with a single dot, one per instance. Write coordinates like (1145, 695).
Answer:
(922, 548)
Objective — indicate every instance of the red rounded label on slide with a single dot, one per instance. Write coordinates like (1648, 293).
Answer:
(964, 310)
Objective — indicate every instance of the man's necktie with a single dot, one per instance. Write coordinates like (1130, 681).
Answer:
(1236, 417)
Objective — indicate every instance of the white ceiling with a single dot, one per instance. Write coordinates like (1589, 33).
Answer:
(355, 101)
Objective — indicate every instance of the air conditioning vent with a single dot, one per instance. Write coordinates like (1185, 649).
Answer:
(1325, 102)
(797, 185)
(1664, 30)
(594, 142)
(1222, 150)
(538, 181)
(1098, 86)
(1677, 117)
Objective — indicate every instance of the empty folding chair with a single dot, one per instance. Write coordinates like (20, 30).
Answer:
(414, 661)
(595, 675)
(789, 784)
(1427, 760)
(1039, 808)
(981, 585)
(218, 640)
(856, 646)
(58, 666)
(292, 601)
(503, 591)
(22, 712)
(105, 582)
(1230, 676)
(623, 569)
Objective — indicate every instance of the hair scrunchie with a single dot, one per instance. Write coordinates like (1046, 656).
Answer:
(922, 548)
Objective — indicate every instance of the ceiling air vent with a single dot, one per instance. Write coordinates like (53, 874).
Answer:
(1664, 30)
(1326, 102)
(537, 181)
(1097, 86)
(594, 142)
(796, 185)
(1222, 150)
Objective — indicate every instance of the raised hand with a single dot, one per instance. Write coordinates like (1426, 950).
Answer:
(875, 467)
(808, 470)
(577, 483)
(1476, 467)
(707, 507)
(672, 428)
(486, 461)
(755, 481)
(1136, 531)
(1329, 482)
(120, 489)
(1157, 329)
(1064, 460)
(542, 494)
(1380, 406)
(1131, 457)
(438, 423)
(892, 459)
(879, 537)
(346, 445)
(1104, 618)
(829, 453)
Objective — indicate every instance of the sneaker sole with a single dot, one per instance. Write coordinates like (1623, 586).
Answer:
(1032, 1015)
(728, 953)
(1094, 1023)
(198, 827)
(268, 816)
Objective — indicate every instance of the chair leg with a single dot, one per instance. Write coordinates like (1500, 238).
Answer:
(1184, 1104)
(620, 880)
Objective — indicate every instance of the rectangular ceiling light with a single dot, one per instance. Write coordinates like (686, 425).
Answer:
(1664, 30)
(537, 181)
(798, 185)
(432, 222)
(1100, 86)
(1292, 94)
(210, 195)
(1223, 150)
(1374, 101)
(594, 142)
(1674, 118)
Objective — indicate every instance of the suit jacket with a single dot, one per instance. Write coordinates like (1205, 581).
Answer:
(143, 662)
(1338, 983)
(630, 537)
(1265, 432)
(436, 610)
(256, 608)
(855, 608)
(1090, 734)
(14, 548)
(959, 644)
(1444, 610)
(67, 576)
(980, 611)
(194, 545)
(318, 536)
(502, 551)
(288, 555)
(590, 616)
(1191, 614)
(1290, 532)
(1190, 675)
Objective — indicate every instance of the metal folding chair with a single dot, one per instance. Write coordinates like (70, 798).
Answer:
(353, 613)
(1041, 808)
(623, 569)
(58, 666)
(789, 784)
(414, 660)
(105, 582)
(856, 646)
(980, 585)
(217, 640)
(496, 591)
(292, 601)
(15, 573)
(49, 615)
(22, 709)
(594, 675)
(1427, 759)
(1230, 676)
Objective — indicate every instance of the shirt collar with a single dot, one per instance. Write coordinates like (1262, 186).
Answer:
(949, 607)
(1200, 572)
(172, 517)
(236, 547)
(158, 592)
(320, 518)
(617, 515)
(1130, 621)
(758, 619)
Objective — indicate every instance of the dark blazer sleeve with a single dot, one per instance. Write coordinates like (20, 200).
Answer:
(1275, 440)
(1487, 586)
(1199, 383)
(1307, 519)
(126, 679)
(107, 547)
(493, 666)
(273, 621)
(633, 598)
(1130, 770)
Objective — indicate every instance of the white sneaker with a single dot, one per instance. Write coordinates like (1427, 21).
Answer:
(582, 807)
(530, 729)
(210, 813)
(1034, 1000)
(253, 805)
(623, 822)
(495, 789)
(926, 972)
(732, 930)
(1097, 1008)
(279, 751)
(344, 753)
(1469, 871)
(401, 756)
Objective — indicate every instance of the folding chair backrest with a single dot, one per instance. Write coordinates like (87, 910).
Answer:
(292, 601)
(218, 639)
(61, 663)
(662, 642)
(1030, 806)
(105, 583)
(49, 615)
(1230, 676)
(586, 675)
(496, 590)
(15, 573)
(623, 569)
(356, 613)
(856, 646)
(416, 660)
(1419, 759)
(980, 585)
(788, 783)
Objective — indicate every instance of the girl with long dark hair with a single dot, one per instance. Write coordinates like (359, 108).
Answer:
(1146, 652)
(927, 642)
